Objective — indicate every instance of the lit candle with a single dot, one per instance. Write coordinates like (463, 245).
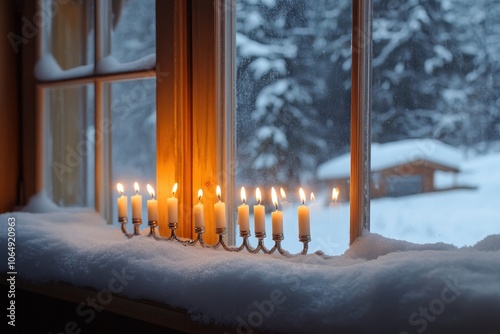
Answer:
(121, 202)
(152, 205)
(303, 212)
(199, 212)
(243, 212)
(259, 214)
(219, 210)
(136, 203)
(335, 196)
(173, 205)
(313, 198)
(276, 216)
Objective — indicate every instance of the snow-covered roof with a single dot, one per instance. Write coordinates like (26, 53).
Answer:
(393, 154)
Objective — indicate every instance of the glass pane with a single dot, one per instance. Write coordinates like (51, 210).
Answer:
(69, 147)
(133, 137)
(436, 120)
(293, 112)
(67, 39)
(130, 42)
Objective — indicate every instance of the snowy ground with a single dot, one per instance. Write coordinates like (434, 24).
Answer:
(378, 286)
(458, 217)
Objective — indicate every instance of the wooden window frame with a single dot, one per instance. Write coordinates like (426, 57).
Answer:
(200, 91)
(102, 110)
(195, 103)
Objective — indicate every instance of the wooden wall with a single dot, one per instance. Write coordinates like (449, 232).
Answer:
(9, 117)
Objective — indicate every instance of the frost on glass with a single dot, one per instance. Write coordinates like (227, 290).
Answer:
(130, 40)
(67, 40)
(133, 136)
(293, 109)
(436, 93)
(69, 150)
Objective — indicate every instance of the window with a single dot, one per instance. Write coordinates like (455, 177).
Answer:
(195, 80)
(293, 111)
(436, 120)
(96, 93)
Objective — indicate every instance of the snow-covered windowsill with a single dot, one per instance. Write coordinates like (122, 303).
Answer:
(378, 285)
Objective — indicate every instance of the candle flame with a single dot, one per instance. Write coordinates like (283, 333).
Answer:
(335, 194)
(120, 189)
(136, 187)
(243, 195)
(274, 196)
(258, 195)
(283, 195)
(151, 191)
(218, 192)
(200, 194)
(313, 198)
(302, 196)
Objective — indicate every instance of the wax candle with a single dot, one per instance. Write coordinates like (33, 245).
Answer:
(243, 211)
(152, 205)
(199, 211)
(136, 203)
(276, 216)
(122, 202)
(313, 198)
(219, 210)
(259, 214)
(303, 212)
(173, 206)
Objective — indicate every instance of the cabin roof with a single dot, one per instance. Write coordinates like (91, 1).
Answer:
(392, 154)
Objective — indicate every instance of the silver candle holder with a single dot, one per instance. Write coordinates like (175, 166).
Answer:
(220, 231)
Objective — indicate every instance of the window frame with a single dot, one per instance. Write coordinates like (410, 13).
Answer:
(196, 81)
(102, 109)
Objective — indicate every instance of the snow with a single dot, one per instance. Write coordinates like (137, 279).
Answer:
(393, 154)
(47, 68)
(377, 286)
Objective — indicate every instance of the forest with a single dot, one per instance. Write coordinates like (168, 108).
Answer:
(436, 66)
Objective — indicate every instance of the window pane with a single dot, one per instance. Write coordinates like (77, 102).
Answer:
(69, 147)
(129, 43)
(436, 120)
(293, 112)
(67, 39)
(133, 136)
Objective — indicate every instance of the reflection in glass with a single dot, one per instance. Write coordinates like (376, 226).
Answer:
(69, 145)
(132, 108)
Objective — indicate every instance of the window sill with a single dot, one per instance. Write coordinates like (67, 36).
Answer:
(186, 286)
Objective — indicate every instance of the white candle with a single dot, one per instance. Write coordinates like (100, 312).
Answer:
(303, 212)
(173, 206)
(152, 205)
(243, 212)
(136, 203)
(199, 212)
(122, 202)
(276, 216)
(219, 210)
(259, 214)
